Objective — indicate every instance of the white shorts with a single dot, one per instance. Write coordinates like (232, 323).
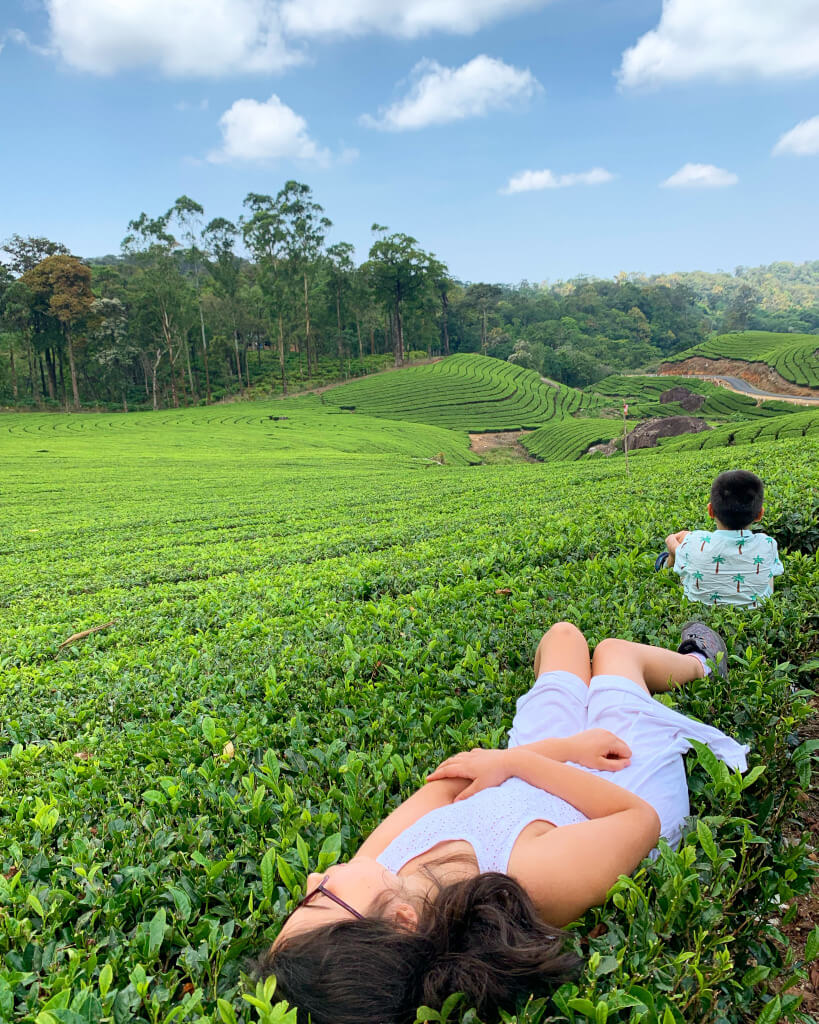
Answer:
(560, 704)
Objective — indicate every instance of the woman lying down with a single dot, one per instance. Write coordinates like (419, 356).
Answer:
(465, 886)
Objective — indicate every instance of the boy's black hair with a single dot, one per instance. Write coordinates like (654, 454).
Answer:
(736, 498)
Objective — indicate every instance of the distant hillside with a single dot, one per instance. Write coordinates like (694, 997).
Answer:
(464, 392)
(780, 296)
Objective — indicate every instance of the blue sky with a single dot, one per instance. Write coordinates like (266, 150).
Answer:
(660, 137)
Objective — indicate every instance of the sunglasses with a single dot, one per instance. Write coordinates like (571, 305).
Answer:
(320, 888)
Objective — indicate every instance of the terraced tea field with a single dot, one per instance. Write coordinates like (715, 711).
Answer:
(643, 394)
(800, 424)
(794, 356)
(295, 620)
(464, 392)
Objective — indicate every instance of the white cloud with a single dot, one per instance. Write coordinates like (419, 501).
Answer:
(221, 37)
(803, 140)
(264, 132)
(532, 181)
(406, 18)
(700, 176)
(439, 94)
(726, 39)
(180, 37)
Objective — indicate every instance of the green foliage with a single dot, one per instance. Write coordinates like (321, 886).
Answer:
(305, 615)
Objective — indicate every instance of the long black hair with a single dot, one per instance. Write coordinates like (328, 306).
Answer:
(481, 936)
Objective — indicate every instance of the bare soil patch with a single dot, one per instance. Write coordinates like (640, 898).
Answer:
(760, 375)
(508, 440)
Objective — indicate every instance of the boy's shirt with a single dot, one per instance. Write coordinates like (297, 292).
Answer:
(728, 566)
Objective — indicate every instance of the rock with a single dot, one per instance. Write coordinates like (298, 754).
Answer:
(647, 434)
(689, 400)
(603, 449)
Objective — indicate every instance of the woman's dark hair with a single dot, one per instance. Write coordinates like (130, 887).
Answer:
(736, 498)
(481, 936)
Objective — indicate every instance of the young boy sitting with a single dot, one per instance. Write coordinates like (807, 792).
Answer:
(728, 565)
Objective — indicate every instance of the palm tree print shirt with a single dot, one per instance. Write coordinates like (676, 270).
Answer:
(728, 566)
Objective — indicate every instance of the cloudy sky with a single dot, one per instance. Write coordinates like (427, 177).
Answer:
(516, 139)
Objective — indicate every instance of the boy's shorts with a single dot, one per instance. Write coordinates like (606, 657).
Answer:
(560, 704)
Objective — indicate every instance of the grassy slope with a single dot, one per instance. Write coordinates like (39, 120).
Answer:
(464, 392)
(346, 623)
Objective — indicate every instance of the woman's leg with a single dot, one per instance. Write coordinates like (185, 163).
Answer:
(563, 648)
(654, 668)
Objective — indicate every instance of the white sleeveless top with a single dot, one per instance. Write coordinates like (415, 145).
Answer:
(490, 821)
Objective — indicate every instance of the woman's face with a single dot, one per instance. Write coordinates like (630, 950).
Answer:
(359, 883)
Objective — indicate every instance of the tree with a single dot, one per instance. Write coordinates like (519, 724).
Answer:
(189, 214)
(398, 271)
(63, 284)
(304, 231)
(160, 290)
(340, 258)
(225, 266)
(26, 253)
(441, 282)
(265, 235)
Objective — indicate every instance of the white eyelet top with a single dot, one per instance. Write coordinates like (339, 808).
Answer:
(490, 821)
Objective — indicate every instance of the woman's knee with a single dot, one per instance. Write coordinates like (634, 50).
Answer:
(564, 647)
(562, 631)
(610, 654)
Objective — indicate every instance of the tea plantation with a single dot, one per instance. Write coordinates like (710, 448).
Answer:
(794, 356)
(465, 392)
(297, 612)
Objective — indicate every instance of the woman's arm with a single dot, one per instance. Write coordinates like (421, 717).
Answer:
(428, 798)
(571, 868)
(593, 796)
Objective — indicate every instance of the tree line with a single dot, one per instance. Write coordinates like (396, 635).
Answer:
(193, 310)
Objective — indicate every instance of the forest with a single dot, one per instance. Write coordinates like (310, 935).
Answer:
(194, 310)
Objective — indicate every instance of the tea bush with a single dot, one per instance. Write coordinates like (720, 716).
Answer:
(302, 616)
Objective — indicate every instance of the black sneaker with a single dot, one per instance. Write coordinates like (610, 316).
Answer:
(697, 638)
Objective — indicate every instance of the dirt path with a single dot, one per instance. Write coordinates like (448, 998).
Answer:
(507, 441)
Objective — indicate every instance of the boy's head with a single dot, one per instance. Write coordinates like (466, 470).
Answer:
(736, 499)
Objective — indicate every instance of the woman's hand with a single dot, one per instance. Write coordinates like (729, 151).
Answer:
(486, 768)
(600, 749)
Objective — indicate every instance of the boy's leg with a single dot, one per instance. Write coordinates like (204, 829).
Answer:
(654, 668)
(563, 648)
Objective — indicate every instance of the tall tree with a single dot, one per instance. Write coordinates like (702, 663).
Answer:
(265, 234)
(220, 237)
(63, 284)
(340, 258)
(441, 282)
(399, 269)
(160, 289)
(305, 231)
(189, 214)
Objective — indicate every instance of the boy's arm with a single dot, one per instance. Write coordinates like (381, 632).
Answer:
(672, 542)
